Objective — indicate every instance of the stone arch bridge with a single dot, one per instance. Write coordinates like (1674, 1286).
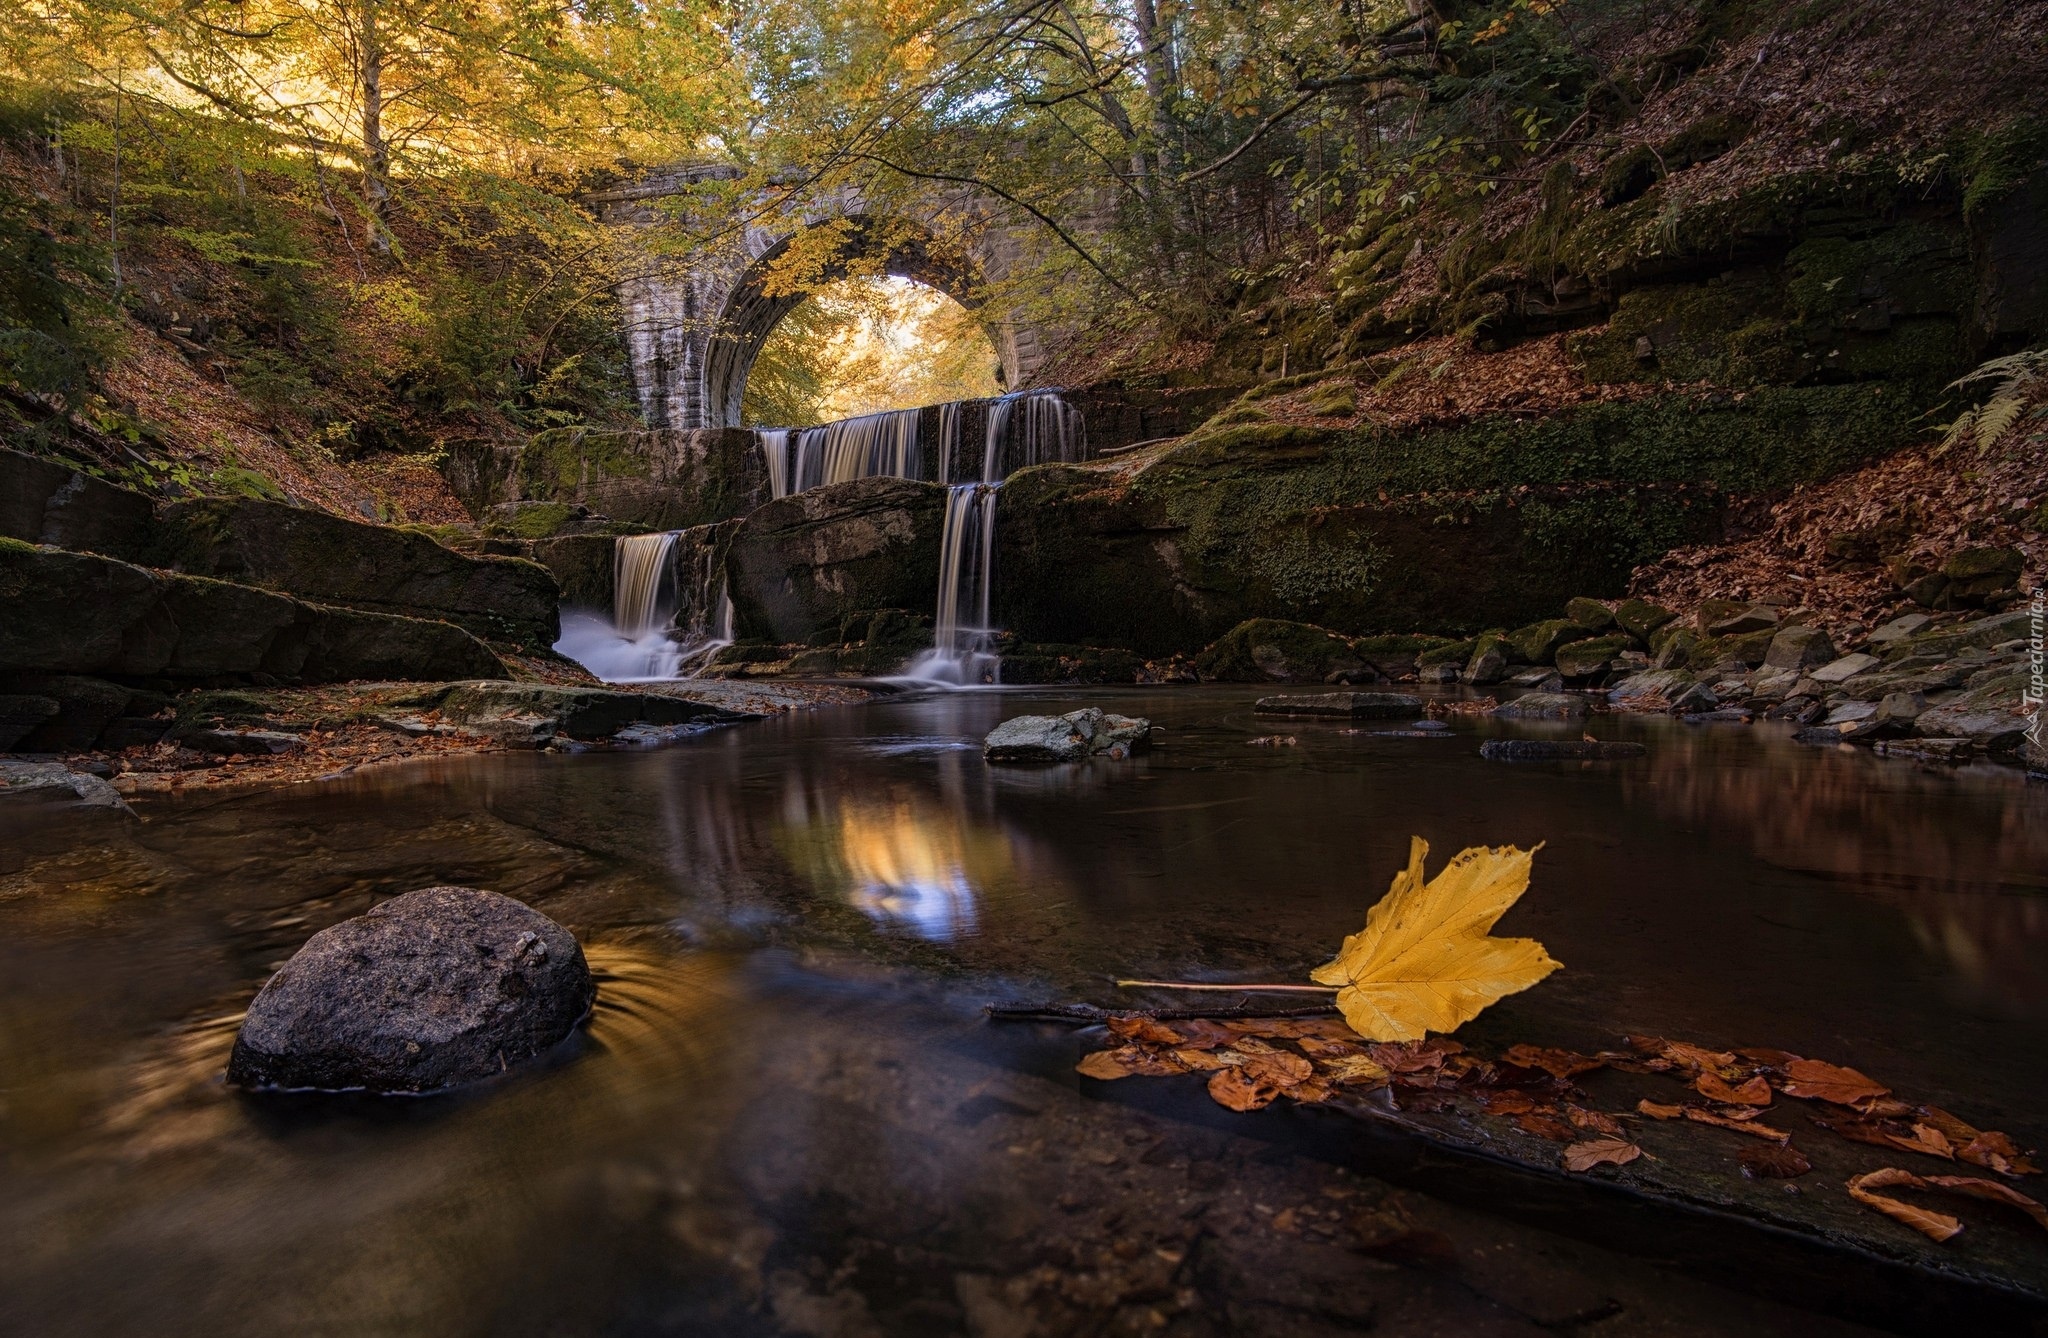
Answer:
(695, 323)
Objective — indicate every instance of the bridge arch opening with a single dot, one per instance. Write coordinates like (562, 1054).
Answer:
(786, 275)
(868, 345)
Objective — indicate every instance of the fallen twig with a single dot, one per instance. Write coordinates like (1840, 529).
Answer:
(1090, 1013)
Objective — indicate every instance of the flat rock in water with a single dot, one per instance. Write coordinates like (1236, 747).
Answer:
(1549, 750)
(1066, 738)
(430, 990)
(36, 783)
(1351, 705)
(1544, 706)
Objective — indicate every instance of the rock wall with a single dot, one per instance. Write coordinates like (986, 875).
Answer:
(377, 568)
(44, 502)
(659, 479)
(1452, 529)
(79, 613)
(799, 568)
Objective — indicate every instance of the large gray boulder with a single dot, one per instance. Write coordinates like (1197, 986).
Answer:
(430, 990)
(331, 560)
(78, 613)
(1066, 738)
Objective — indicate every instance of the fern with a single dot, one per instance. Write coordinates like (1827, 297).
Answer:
(2018, 380)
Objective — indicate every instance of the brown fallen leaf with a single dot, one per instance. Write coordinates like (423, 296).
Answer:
(1926, 1138)
(1351, 1071)
(1774, 1161)
(1208, 1061)
(1426, 960)
(1738, 1112)
(1233, 1090)
(1938, 1225)
(1506, 1103)
(1544, 1124)
(1312, 1090)
(1600, 1152)
(1290, 1028)
(1414, 1056)
(1593, 1121)
(1769, 1058)
(1146, 1031)
(1315, 1047)
(1280, 1069)
(1885, 1107)
(1127, 1061)
(1657, 1110)
(1996, 1152)
(1755, 1092)
(1754, 1128)
(1980, 1188)
(1557, 1063)
(1815, 1080)
(1699, 1059)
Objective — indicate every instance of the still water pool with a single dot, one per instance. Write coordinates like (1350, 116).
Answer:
(787, 1115)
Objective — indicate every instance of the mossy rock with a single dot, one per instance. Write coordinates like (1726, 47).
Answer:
(1446, 652)
(1640, 619)
(1270, 650)
(1590, 614)
(1394, 655)
(1582, 659)
(1489, 661)
(1538, 642)
(1748, 649)
(1337, 400)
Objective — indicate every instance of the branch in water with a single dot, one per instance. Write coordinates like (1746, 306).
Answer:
(1089, 1013)
(1224, 989)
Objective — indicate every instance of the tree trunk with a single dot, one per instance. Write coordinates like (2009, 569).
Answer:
(376, 152)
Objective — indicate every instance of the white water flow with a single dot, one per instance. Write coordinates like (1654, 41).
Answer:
(1028, 428)
(665, 624)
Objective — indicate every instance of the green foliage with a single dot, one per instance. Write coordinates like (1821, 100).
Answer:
(54, 329)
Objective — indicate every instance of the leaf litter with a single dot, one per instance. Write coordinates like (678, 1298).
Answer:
(1426, 963)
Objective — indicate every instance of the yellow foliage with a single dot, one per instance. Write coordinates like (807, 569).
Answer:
(1425, 960)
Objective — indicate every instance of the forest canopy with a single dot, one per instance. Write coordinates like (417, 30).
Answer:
(384, 206)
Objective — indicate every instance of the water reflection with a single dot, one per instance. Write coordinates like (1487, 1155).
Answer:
(902, 863)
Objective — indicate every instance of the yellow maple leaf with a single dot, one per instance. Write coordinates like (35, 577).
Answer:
(1425, 960)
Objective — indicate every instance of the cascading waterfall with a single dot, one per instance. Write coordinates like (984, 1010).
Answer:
(1029, 427)
(666, 623)
(640, 577)
(775, 449)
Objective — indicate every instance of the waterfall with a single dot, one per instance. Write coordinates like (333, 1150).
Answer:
(775, 449)
(949, 438)
(640, 575)
(1027, 427)
(666, 622)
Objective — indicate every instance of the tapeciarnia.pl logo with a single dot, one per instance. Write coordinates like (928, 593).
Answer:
(2037, 664)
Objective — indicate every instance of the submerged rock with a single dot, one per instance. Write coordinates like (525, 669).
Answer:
(1548, 750)
(430, 990)
(1067, 738)
(533, 713)
(1352, 705)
